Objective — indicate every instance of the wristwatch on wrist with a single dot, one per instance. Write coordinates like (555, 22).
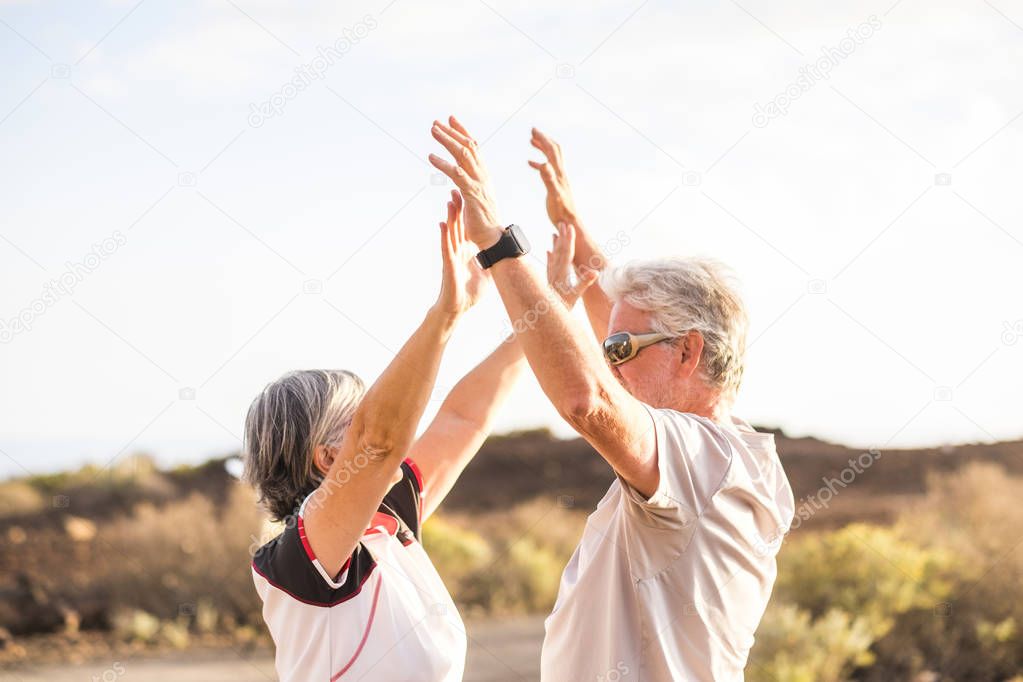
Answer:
(512, 244)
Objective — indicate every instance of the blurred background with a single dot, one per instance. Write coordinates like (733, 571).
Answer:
(201, 196)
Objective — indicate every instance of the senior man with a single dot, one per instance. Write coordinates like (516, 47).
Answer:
(676, 564)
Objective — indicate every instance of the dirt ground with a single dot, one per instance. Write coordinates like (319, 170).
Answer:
(499, 651)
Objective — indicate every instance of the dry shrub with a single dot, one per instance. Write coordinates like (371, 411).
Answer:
(19, 497)
(975, 515)
(975, 512)
(169, 559)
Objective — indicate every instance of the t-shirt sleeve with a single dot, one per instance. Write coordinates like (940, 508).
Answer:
(406, 496)
(288, 563)
(692, 460)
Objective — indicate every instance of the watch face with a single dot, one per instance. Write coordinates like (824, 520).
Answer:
(519, 236)
(512, 243)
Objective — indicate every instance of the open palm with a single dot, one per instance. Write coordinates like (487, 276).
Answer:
(464, 280)
(560, 203)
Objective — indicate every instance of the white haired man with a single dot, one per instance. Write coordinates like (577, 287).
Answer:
(676, 565)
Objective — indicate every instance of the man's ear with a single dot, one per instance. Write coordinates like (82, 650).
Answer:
(690, 348)
(323, 457)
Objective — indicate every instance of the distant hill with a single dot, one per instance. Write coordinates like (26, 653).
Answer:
(520, 466)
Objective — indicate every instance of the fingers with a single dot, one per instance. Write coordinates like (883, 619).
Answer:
(537, 142)
(546, 173)
(545, 143)
(548, 146)
(559, 266)
(451, 229)
(462, 138)
(454, 146)
(552, 255)
(567, 233)
(452, 214)
(558, 271)
(456, 173)
(457, 125)
(566, 249)
(456, 201)
(462, 148)
(461, 153)
(545, 168)
(564, 246)
(446, 249)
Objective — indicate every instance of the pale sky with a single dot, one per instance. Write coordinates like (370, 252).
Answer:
(875, 224)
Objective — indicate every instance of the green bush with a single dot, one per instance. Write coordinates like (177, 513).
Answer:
(507, 562)
(792, 646)
(836, 595)
(455, 550)
(871, 572)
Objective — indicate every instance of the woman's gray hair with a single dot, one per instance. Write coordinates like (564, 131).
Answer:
(683, 294)
(285, 423)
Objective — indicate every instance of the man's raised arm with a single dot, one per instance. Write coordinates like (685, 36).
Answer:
(567, 364)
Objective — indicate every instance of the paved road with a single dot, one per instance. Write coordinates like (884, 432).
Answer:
(499, 651)
(504, 651)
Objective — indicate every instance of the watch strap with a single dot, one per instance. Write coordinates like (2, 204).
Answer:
(506, 247)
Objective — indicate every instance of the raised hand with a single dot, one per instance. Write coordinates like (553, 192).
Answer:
(560, 268)
(470, 176)
(560, 204)
(463, 280)
(587, 253)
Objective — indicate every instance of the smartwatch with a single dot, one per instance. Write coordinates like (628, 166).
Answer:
(512, 244)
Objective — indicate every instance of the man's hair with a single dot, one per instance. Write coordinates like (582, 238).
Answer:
(683, 294)
(285, 423)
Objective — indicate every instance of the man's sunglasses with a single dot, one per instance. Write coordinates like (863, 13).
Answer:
(623, 346)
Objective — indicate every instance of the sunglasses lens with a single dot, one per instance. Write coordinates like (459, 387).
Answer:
(617, 348)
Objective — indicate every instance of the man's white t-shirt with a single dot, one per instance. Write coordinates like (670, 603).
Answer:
(673, 587)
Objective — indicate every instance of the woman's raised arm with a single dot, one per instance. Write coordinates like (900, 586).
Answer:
(363, 465)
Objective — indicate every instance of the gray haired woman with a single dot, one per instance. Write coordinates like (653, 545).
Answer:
(348, 591)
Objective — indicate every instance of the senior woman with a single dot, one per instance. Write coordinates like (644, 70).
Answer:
(348, 591)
